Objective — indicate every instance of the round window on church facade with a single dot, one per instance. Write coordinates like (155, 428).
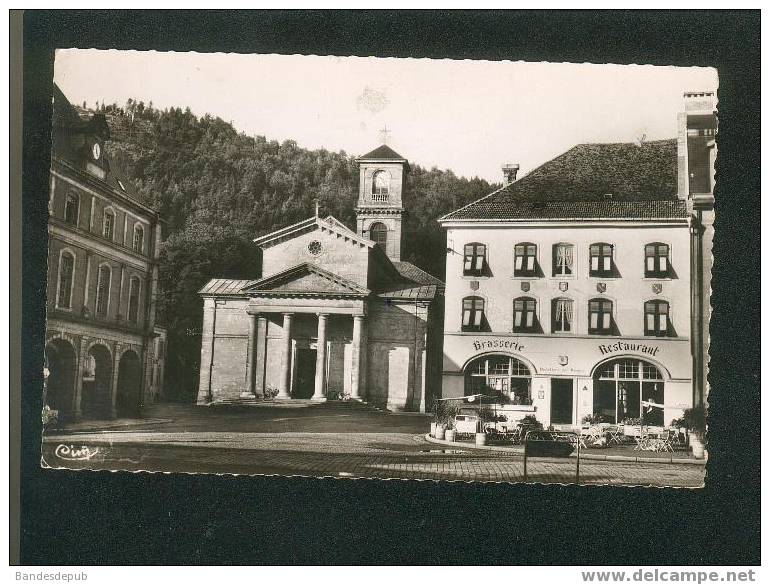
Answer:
(315, 248)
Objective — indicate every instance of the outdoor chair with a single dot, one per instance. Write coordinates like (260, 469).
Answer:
(615, 435)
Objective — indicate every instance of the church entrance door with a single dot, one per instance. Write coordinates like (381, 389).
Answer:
(304, 374)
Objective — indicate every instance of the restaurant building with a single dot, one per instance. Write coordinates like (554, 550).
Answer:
(335, 313)
(105, 351)
(580, 289)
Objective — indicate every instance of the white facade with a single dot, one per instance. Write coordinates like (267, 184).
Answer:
(569, 362)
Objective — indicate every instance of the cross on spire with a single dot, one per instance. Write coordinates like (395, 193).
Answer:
(384, 134)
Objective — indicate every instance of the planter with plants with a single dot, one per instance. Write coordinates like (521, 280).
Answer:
(694, 421)
(443, 417)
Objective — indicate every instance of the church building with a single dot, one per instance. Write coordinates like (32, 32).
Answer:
(335, 314)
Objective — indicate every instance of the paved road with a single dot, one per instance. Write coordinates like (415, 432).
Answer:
(341, 454)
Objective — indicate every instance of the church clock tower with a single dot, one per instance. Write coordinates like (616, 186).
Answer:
(380, 209)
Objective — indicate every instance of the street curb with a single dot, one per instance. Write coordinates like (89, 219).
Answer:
(588, 456)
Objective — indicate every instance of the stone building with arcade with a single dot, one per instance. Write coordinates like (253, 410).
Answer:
(335, 312)
(104, 351)
(581, 289)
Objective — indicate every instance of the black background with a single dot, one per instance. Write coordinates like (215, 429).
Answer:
(123, 518)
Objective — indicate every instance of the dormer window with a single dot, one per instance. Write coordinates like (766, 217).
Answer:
(380, 186)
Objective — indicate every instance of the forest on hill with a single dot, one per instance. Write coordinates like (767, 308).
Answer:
(218, 189)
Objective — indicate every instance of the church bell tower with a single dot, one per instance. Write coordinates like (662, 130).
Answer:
(379, 210)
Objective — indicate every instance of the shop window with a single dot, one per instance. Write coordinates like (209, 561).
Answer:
(563, 259)
(525, 259)
(501, 376)
(629, 391)
(473, 314)
(71, 208)
(600, 260)
(656, 318)
(525, 315)
(561, 315)
(600, 317)
(474, 259)
(103, 285)
(66, 277)
(108, 225)
(656, 263)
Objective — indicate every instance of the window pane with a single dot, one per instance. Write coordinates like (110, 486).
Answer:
(467, 303)
(606, 321)
(594, 320)
(477, 318)
(663, 323)
(530, 262)
(469, 249)
(517, 319)
(650, 322)
(479, 304)
(530, 319)
(594, 263)
(479, 262)
(606, 263)
(519, 262)
(468, 262)
(466, 317)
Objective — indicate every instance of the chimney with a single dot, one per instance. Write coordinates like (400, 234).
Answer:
(699, 102)
(509, 172)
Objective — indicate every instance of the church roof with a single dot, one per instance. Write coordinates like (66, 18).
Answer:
(382, 152)
(590, 181)
(325, 283)
(223, 286)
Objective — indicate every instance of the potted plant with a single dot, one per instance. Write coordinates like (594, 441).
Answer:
(449, 433)
(694, 420)
(443, 414)
(486, 416)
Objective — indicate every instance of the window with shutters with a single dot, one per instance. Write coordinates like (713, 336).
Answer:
(563, 259)
(108, 224)
(103, 290)
(474, 259)
(71, 208)
(473, 314)
(600, 260)
(66, 277)
(524, 314)
(599, 317)
(138, 238)
(656, 262)
(656, 318)
(133, 299)
(561, 315)
(525, 259)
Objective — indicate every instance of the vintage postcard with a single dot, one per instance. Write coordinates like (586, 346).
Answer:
(379, 268)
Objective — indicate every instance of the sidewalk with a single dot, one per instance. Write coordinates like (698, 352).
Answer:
(638, 457)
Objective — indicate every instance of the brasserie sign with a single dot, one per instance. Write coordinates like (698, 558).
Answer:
(512, 344)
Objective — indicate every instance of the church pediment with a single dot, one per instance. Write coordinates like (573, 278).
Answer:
(304, 280)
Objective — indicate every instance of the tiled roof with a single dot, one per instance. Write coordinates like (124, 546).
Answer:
(590, 181)
(382, 152)
(223, 286)
(415, 293)
(502, 209)
(415, 274)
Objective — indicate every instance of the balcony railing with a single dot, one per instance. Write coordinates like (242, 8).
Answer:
(380, 197)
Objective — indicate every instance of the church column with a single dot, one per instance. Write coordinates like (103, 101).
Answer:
(358, 372)
(260, 361)
(78, 387)
(320, 363)
(250, 356)
(283, 388)
(117, 350)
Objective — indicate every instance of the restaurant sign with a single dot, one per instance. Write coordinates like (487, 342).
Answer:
(622, 346)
